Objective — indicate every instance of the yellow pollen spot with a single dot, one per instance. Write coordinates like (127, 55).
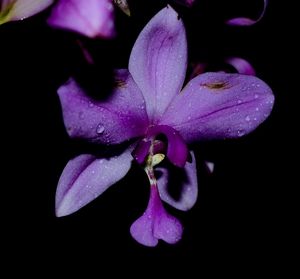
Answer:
(157, 158)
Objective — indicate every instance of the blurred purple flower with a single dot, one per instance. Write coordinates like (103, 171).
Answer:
(11, 10)
(150, 111)
(92, 18)
(188, 3)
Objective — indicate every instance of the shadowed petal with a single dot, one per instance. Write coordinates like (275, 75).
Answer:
(20, 9)
(241, 65)
(119, 117)
(86, 177)
(158, 60)
(156, 224)
(92, 18)
(179, 188)
(244, 21)
(218, 105)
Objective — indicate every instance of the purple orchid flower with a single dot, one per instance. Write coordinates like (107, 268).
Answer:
(92, 18)
(150, 111)
(11, 10)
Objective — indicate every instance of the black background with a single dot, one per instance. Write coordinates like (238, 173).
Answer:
(243, 214)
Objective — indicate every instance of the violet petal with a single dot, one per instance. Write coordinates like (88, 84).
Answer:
(241, 65)
(244, 21)
(156, 224)
(177, 151)
(118, 118)
(219, 105)
(92, 18)
(86, 177)
(141, 151)
(185, 179)
(158, 60)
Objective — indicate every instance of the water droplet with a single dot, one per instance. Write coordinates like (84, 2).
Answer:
(240, 133)
(239, 101)
(257, 109)
(247, 118)
(100, 129)
(255, 119)
(91, 104)
(255, 96)
(189, 118)
(258, 85)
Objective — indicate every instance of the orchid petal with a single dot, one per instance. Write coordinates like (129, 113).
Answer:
(141, 151)
(244, 21)
(219, 105)
(92, 18)
(86, 177)
(118, 118)
(177, 151)
(241, 65)
(185, 179)
(12, 10)
(158, 60)
(156, 224)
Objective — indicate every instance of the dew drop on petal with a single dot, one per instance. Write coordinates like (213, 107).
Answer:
(247, 118)
(100, 129)
(240, 133)
(239, 101)
(91, 104)
(255, 96)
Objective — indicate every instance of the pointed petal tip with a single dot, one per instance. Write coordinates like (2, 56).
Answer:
(86, 177)
(158, 60)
